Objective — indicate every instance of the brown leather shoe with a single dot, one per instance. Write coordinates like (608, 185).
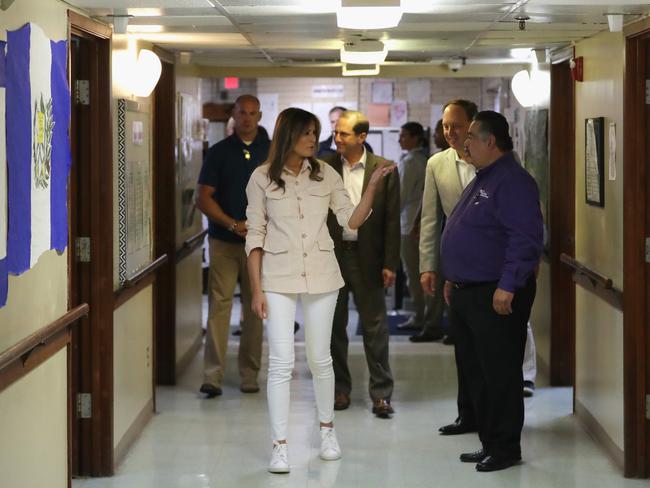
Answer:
(382, 409)
(341, 401)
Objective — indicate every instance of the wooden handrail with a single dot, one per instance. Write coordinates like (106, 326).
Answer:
(189, 245)
(594, 282)
(593, 276)
(146, 271)
(195, 239)
(39, 338)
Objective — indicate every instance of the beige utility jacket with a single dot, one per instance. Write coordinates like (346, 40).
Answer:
(291, 227)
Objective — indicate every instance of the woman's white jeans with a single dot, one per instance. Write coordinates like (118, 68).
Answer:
(318, 311)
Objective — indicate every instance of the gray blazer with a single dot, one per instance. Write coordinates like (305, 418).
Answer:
(442, 191)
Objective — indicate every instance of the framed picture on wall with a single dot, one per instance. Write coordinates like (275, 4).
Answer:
(595, 161)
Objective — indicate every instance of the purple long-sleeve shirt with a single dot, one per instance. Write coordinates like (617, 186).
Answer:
(495, 231)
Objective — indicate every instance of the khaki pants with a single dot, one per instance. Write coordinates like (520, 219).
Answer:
(227, 265)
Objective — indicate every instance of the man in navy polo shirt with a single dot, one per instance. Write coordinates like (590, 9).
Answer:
(490, 248)
(226, 170)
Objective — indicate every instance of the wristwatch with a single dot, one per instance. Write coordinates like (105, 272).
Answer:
(233, 226)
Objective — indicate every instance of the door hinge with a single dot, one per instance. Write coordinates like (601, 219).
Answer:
(84, 406)
(82, 249)
(82, 92)
(647, 249)
(647, 407)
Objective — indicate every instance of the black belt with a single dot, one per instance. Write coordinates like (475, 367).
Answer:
(350, 244)
(472, 284)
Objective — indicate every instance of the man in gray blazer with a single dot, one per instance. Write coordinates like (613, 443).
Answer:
(447, 175)
(368, 259)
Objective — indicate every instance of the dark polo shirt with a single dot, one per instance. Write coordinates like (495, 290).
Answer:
(227, 167)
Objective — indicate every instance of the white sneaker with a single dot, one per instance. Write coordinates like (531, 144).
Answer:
(329, 446)
(279, 459)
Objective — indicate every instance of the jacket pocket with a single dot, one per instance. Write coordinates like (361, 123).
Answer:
(323, 257)
(275, 261)
(279, 203)
(319, 199)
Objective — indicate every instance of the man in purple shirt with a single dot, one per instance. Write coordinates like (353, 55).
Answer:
(490, 248)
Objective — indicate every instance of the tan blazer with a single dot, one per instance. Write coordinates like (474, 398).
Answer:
(379, 236)
(442, 191)
(291, 227)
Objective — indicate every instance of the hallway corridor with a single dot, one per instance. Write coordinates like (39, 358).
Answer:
(224, 442)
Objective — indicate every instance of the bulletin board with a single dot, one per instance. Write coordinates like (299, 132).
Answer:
(135, 201)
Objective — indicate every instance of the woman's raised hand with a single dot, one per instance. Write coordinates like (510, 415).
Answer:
(382, 170)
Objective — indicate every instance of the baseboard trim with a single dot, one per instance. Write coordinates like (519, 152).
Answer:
(187, 358)
(132, 433)
(595, 430)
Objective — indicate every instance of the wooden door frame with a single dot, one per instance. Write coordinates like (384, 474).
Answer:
(636, 225)
(164, 175)
(96, 437)
(562, 223)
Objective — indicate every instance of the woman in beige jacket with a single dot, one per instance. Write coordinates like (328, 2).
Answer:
(291, 256)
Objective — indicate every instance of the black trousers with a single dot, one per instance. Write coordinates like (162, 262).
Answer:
(491, 349)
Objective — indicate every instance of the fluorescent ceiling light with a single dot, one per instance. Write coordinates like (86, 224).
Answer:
(368, 14)
(144, 28)
(360, 70)
(521, 53)
(364, 52)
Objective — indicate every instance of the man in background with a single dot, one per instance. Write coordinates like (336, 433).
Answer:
(327, 148)
(368, 259)
(412, 168)
(221, 192)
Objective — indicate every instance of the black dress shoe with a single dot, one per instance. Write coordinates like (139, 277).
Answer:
(497, 463)
(209, 390)
(425, 337)
(458, 427)
(448, 340)
(473, 457)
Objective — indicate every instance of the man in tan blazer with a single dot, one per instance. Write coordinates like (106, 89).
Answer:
(368, 259)
(447, 175)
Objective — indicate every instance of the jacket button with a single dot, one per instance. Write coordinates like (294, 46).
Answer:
(302, 216)
(302, 274)
(304, 254)
(304, 235)
(299, 198)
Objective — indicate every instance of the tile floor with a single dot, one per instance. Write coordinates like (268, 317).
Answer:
(225, 442)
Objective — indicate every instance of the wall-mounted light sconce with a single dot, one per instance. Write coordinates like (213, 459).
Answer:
(5, 4)
(360, 70)
(531, 88)
(148, 69)
(368, 14)
(364, 52)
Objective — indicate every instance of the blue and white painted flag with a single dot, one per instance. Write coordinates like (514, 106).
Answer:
(38, 156)
(3, 182)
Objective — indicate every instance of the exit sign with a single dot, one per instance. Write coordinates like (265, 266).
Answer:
(231, 83)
